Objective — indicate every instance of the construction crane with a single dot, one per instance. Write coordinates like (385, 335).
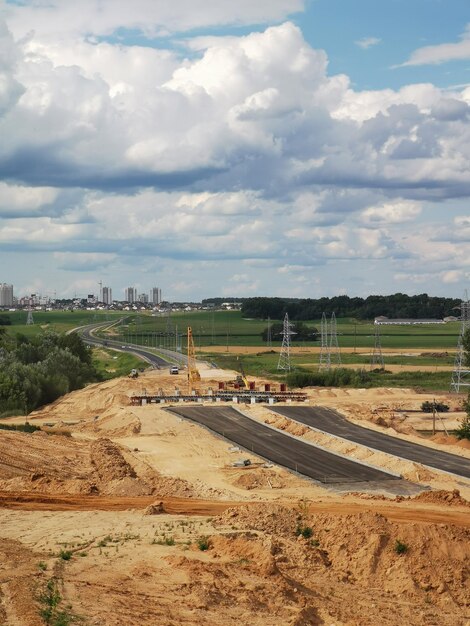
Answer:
(193, 375)
(241, 378)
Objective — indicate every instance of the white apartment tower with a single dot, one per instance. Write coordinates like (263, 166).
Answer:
(156, 295)
(107, 295)
(6, 294)
(131, 294)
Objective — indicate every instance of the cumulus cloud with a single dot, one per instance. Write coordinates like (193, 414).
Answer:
(62, 20)
(391, 213)
(367, 42)
(442, 53)
(246, 150)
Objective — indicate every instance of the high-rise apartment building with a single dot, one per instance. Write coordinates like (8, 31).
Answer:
(107, 295)
(155, 295)
(131, 294)
(143, 297)
(6, 294)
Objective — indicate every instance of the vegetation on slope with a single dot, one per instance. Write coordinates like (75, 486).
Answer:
(37, 370)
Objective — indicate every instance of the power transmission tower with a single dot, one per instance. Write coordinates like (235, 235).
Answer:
(461, 372)
(168, 329)
(269, 338)
(284, 356)
(29, 319)
(335, 353)
(325, 354)
(377, 358)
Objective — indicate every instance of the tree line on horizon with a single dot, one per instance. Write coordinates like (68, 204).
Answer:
(398, 305)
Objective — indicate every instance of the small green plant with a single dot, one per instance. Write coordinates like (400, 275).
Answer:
(50, 600)
(203, 543)
(314, 543)
(305, 531)
(42, 566)
(400, 547)
(65, 555)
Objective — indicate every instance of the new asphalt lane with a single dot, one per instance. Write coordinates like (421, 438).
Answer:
(305, 458)
(331, 422)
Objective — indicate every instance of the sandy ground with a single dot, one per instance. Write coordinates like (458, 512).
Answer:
(113, 518)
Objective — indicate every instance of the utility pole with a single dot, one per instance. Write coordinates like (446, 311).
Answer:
(377, 356)
(284, 356)
(325, 354)
(461, 372)
(334, 347)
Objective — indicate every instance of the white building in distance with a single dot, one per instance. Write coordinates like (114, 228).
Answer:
(6, 294)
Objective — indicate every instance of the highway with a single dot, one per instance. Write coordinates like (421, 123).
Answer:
(276, 446)
(86, 333)
(329, 421)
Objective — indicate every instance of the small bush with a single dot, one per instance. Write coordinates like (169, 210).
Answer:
(400, 547)
(203, 543)
(65, 555)
(428, 407)
(305, 531)
(42, 566)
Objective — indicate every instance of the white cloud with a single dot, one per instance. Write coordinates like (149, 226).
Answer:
(391, 213)
(367, 42)
(247, 150)
(442, 53)
(63, 20)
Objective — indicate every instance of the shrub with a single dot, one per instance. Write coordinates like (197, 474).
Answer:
(400, 547)
(203, 543)
(65, 555)
(428, 407)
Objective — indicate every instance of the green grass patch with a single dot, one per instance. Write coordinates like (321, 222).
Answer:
(24, 428)
(112, 363)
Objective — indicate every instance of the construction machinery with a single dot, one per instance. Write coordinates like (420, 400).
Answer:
(193, 374)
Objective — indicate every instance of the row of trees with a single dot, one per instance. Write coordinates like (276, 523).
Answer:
(398, 305)
(36, 371)
(299, 330)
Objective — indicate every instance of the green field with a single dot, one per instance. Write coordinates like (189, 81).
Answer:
(229, 330)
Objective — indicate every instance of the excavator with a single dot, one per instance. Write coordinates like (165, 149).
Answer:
(193, 374)
(241, 380)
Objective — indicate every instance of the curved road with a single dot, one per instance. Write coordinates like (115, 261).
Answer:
(329, 421)
(86, 333)
(276, 446)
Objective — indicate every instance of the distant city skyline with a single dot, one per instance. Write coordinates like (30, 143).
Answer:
(291, 148)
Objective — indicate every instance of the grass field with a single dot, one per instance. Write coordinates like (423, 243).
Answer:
(228, 329)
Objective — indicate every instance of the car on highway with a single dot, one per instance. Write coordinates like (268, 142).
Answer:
(174, 369)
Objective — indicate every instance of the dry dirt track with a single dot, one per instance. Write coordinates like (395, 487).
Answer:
(397, 512)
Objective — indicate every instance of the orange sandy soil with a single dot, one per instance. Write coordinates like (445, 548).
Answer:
(130, 492)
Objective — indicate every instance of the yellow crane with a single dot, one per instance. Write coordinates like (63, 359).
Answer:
(193, 375)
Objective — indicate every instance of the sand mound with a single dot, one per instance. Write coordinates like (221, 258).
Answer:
(109, 462)
(287, 425)
(450, 498)
(259, 479)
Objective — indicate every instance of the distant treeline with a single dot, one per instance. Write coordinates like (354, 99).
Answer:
(36, 371)
(398, 305)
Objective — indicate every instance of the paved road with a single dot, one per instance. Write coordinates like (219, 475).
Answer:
(86, 333)
(330, 421)
(279, 448)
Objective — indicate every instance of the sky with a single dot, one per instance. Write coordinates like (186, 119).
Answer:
(296, 148)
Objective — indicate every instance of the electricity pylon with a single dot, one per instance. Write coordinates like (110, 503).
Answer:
(325, 353)
(269, 338)
(461, 372)
(284, 356)
(335, 353)
(377, 358)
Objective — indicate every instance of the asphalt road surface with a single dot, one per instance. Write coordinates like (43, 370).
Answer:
(279, 448)
(87, 335)
(331, 422)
